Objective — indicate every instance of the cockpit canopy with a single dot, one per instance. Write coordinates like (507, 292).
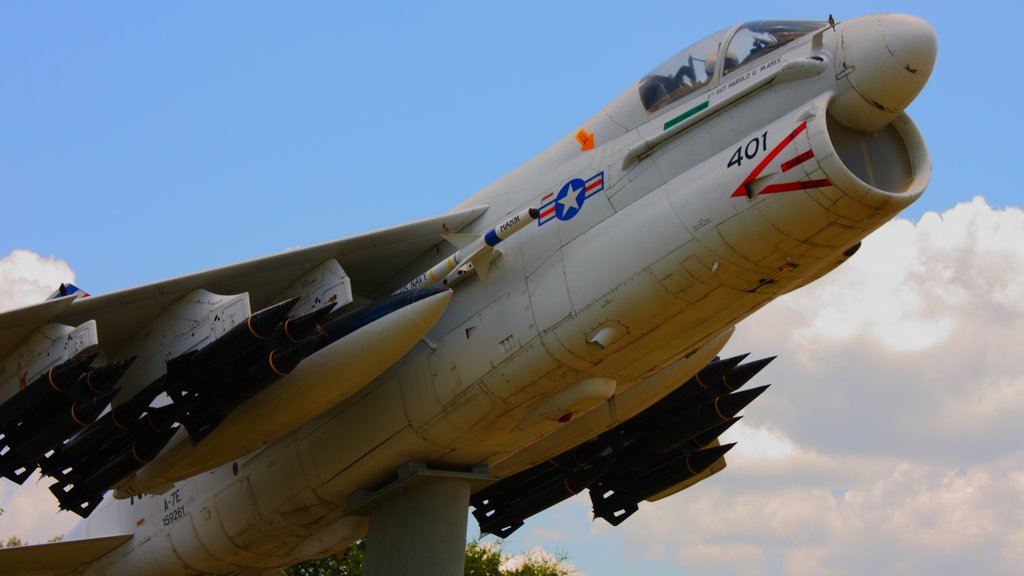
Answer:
(695, 69)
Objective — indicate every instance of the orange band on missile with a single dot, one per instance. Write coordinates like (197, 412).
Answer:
(725, 382)
(270, 359)
(88, 382)
(113, 418)
(320, 330)
(287, 333)
(136, 456)
(75, 417)
(697, 378)
(690, 468)
(248, 322)
(431, 274)
(567, 487)
(719, 412)
(49, 376)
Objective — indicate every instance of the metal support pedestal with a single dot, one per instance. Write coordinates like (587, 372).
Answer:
(418, 523)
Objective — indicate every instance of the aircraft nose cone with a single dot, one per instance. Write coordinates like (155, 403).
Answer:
(912, 45)
(887, 59)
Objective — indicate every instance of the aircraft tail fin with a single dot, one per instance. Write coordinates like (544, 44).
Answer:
(67, 289)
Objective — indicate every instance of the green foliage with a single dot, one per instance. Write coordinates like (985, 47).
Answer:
(348, 563)
(482, 559)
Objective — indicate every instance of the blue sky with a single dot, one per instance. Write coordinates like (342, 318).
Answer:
(144, 141)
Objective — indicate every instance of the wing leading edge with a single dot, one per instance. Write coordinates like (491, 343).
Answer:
(371, 259)
(57, 558)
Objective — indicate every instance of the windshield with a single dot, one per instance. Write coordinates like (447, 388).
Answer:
(688, 72)
(755, 39)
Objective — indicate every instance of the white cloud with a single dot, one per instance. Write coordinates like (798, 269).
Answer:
(537, 556)
(27, 278)
(890, 443)
(30, 511)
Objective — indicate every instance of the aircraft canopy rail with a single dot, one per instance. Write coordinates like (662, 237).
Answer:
(693, 70)
(756, 39)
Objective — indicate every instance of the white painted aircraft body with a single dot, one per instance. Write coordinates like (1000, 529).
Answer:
(743, 168)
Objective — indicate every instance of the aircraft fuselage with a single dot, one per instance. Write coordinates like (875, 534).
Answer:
(698, 203)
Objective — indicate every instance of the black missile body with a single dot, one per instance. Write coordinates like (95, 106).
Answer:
(46, 391)
(119, 422)
(351, 320)
(700, 418)
(207, 409)
(82, 496)
(99, 379)
(703, 381)
(224, 351)
(649, 453)
(223, 389)
(59, 427)
(615, 499)
(295, 330)
(502, 522)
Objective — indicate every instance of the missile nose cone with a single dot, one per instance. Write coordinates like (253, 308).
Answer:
(742, 374)
(889, 58)
(99, 380)
(295, 329)
(262, 323)
(64, 376)
(708, 436)
(728, 406)
(83, 413)
(284, 360)
(699, 461)
(710, 374)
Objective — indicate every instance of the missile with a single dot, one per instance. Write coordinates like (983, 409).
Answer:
(477, 250)
(72, 462)
(82, 496)
(706, 379)
(703, 417)
(737, 377)
(118, 422)
(208, 409)
(257, 327)
(49, 388)
(642, 439)
(297, 329)
(636, 457)
(47, 437)
(616, 500)
(639, 458)
(593, 452)
(708, 436)
(350, 321)
(503, 523)
(100, 379)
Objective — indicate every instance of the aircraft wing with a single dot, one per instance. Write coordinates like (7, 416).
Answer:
(202, 354)
(57, 558)
(370, 259)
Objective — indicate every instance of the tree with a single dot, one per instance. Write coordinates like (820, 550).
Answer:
(348, 563)
(482, 559)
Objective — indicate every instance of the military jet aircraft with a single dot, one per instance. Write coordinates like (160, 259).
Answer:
(557, 331)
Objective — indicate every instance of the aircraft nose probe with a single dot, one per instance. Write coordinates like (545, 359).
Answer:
(887, 59)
